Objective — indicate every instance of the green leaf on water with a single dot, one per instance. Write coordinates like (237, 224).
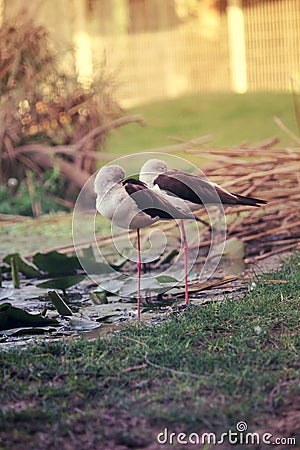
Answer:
(24, 331)
(90, 265)
(25, 267)
(107, 318)
(56, 300)
(96, 268)
(166, 279)
(62, 283)
(55, 263)
(12, 317)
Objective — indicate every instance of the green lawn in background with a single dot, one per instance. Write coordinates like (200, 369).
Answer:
(230, 118)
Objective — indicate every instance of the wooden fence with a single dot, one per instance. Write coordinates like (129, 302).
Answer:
(245, 45)
(196, 57)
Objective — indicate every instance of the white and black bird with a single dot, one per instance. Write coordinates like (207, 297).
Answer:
(130, 204)
(196, 191)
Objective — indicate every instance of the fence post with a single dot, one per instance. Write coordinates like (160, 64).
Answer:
(82, 43)
(237, 48)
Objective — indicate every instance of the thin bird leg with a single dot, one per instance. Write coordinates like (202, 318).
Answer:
(139, 265)
(203, 222)
(186, 261)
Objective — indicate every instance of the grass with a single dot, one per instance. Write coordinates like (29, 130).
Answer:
(204, 370)
(230, 118)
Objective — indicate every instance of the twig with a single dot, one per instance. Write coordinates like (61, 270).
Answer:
(295, 103)
(276, 171)
(198, 141)
(164, 368)
(94, 134)
(286, 130)
(35, 202)
(272, 231)
(76, 149)
(273, 252)
(15, 272)
(175, 371)
(177, 148)
(124, 371)
(255, 185)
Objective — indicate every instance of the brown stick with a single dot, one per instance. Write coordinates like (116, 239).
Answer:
(273, 252)
(94, 134)
(78, 176)
(75, 149)
(286, 130)
(276, 171)
(272, 231)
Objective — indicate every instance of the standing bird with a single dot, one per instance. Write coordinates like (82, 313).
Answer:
(195, 191)
(130, 204)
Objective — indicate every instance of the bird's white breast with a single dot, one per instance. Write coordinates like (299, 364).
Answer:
(117, 206)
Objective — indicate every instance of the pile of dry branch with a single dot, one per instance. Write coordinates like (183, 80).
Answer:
(48, 121)
(272, 174)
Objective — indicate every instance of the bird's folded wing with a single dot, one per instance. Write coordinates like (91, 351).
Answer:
(195, 189)
(152, 203)
(198, 189)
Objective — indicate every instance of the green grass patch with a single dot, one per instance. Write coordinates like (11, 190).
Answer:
(204, 370)
(230, 118)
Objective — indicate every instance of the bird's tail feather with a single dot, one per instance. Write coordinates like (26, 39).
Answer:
(251, 201)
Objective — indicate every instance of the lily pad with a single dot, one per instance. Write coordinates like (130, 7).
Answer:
(12, 317)
(166, 279)
(23, 331)
(25, 267)
(147, 283)
(91, 266)
(62, 283)
(114, 285)
(56, 300)
(55, 263)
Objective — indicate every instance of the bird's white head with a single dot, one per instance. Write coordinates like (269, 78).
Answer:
(151, 169)
(107, 177)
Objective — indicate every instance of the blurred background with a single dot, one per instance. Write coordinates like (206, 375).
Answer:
(162, 49)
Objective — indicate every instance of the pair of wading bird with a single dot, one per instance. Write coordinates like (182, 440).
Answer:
(158, 194)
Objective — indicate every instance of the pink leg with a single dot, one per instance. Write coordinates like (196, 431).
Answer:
(139, 263)
(186, 261)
